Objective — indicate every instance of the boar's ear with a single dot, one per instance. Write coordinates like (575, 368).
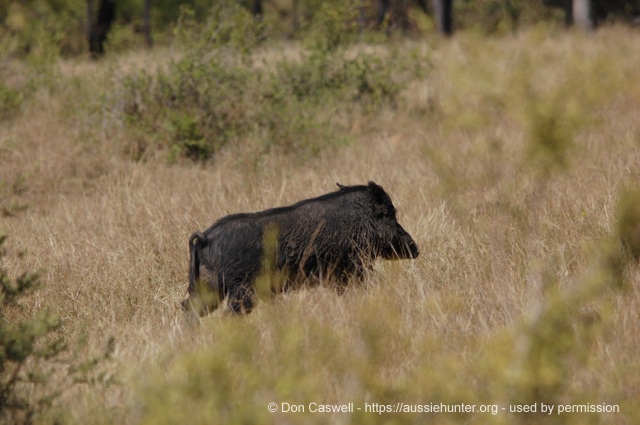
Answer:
(341, 186)
(380, 199)
(377, 193)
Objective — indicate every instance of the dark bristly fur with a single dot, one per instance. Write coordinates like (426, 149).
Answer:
(335, 236)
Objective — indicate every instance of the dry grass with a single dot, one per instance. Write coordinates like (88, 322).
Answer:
(496, 235)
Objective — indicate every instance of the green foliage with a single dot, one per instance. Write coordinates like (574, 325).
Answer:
(217, 94)
(321, 74)
(164, 12)
(21, 344)
(332, 25)
(10, 101)
(491, 16)
(29, 27)
(227, 27)
(554, 114)
(32, 352)
(557, 337)
(200, 96)
(33, 32)
(230, 385)
(550, 135)
(10, 192)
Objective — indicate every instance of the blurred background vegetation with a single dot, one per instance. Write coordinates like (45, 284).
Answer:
(30, 26)
(202, 100)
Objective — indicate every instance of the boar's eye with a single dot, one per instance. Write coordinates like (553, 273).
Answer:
(390, 212)
(385, 212)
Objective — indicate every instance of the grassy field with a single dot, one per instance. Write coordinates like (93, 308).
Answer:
(508, 160)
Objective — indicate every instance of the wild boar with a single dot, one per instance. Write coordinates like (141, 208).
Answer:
(332, 238)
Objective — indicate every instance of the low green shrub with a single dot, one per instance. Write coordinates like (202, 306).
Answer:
(216, 94)
(10, 102)
(32, 352)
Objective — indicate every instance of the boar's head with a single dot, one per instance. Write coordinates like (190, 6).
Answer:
(394, 243)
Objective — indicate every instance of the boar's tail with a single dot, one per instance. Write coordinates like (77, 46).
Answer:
(196, 241)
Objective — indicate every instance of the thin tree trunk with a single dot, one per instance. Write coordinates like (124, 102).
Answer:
(256, 8)
(91, 13)
(147, 23)
(362, 19)
(443, 10)
(582, 15)
(403, 15)
(383, 9)
(99, 27)
(295, 23)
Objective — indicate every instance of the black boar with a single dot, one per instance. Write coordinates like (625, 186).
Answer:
(334, 237)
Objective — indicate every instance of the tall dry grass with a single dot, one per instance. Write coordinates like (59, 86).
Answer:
(509, 226)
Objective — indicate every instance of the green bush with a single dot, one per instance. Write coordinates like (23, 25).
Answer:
(10, 101)
(24, 346)
(217, 95)
(32, 354)
(29, 25)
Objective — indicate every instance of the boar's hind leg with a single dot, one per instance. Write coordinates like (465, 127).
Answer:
(196, 306)
(201, 301)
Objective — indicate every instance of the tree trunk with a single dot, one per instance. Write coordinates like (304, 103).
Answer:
(295, 22)
(582, 15)
(362, 16)
(90, 17)
(256, 8)
(443, 10)
(147, 23)
(100, 27)
(403, 15)
(383, 8)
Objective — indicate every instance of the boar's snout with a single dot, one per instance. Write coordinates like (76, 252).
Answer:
(409, 250)
(414, 251)
(402, 246)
